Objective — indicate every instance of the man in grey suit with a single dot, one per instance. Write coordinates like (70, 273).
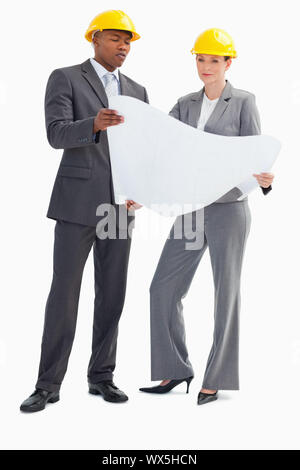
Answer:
(77, 117)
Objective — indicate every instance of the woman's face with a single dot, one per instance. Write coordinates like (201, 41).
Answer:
(212, 68)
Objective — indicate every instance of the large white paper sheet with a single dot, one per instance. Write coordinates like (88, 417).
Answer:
(163, 163)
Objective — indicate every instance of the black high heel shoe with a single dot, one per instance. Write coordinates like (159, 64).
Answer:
(168, 387)
(206, 397)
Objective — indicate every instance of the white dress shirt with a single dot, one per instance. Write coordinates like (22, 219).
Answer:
(207, 108)
(101, 71)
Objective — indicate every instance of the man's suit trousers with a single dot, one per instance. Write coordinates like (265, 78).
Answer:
(226, 228)
(72, 245)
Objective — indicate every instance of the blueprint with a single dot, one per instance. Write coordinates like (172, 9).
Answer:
(173, 168)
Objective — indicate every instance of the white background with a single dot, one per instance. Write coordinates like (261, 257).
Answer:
(37, 37)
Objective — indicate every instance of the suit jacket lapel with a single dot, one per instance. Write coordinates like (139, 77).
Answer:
(91, 76)
(196, 104)
(220, 108)
(126, 88)
(194, 108)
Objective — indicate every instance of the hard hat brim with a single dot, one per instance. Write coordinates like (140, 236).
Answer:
(233, 54)
(135, 36)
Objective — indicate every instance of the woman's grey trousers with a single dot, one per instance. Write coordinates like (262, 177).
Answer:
(224, 228)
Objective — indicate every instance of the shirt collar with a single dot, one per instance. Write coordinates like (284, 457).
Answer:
(208, 100)
(101, 71)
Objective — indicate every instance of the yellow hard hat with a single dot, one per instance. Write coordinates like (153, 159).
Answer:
(111, 19)
(214, 41)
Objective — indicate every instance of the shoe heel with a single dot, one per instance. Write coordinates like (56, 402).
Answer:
(188, 381)
(94, 391)
(54, 399)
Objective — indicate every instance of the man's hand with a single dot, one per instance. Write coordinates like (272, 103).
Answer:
(264, 179)
(130, 204)
(105, 118)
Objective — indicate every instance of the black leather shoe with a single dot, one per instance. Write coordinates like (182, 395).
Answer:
(168, 387)
(38, 400)
(206, 397)
(108, 390)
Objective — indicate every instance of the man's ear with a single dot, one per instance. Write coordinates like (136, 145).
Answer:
(96, 38)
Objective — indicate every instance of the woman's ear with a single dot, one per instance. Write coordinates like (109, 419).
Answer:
(228, 64)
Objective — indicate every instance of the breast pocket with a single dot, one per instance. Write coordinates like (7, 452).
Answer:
(74, 171)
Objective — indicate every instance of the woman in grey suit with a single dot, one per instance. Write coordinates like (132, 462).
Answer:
(218, 108)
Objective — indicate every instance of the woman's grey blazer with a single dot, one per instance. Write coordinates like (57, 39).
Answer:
(235, 114)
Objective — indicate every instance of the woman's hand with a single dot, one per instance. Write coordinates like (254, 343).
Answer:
(264, 179)
(130, 204)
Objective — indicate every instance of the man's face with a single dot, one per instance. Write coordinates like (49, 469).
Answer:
(111, 47)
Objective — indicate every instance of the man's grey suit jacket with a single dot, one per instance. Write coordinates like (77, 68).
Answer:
(74, 95)
(235, 114)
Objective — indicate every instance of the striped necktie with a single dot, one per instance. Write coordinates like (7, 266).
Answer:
(111, 84)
